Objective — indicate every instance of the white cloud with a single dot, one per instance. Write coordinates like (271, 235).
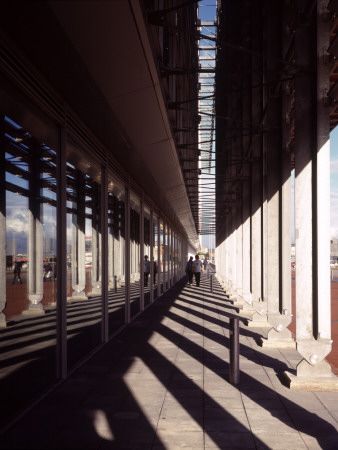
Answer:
(17, 220)
(334, 213)
(334, 167)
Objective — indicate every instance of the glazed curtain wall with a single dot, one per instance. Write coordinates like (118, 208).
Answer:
(57, 306)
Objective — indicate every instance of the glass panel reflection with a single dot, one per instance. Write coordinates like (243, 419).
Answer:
(135, 269)
(28, 313)
(149, 280)
(84, 312)
(116, 254)
(155, 255)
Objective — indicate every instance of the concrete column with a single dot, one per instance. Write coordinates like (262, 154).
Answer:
(245, 195)
(35, 234)
(279, 335)
(239, 249)
(78, 242)
(312, 173)
(225, 258)
(256, 174)
(2, 227)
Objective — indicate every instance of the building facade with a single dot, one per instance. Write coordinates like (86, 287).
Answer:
(91, 179)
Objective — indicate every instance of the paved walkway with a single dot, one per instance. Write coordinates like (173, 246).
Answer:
(163, 384)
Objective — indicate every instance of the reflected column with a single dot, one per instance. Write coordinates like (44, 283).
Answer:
(35, 233)
(78, 241)
(96, 243)
(110, 243)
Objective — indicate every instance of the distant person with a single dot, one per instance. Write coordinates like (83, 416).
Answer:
(205, 263)
(146, 270)
(189, 269)
(197, 269)
(47, 272)
(17, 272)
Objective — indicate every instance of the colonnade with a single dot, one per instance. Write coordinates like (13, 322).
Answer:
(290, 129)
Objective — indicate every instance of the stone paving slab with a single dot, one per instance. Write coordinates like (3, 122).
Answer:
(163, 383)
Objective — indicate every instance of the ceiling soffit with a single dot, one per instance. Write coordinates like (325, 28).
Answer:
(112, 40)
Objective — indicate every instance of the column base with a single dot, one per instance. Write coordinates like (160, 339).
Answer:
(308, 377)
(278, 339)
(34, 310)
(94, 293)
(3, 323)
(78, 296)
(258, 324)
(287, 343)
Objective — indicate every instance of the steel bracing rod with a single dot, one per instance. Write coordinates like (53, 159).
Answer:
(239, 48)
(218, 41)
(257, 86)
(162, 12)
(192, 99)
(182, 71)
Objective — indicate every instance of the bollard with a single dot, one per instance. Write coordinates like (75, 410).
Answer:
(234, 350)
(115, 284)
(211, 286)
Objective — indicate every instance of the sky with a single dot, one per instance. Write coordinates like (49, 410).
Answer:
(334, 182)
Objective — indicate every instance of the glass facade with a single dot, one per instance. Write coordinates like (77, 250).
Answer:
(116, 252)
(28, 266)
(67, 288)
(83, 255)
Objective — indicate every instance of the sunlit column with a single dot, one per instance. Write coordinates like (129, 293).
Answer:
(256, 168)
(239, 251)
(280, 335)
(312, 194)
(233, 272)
(276, 236)
(246, 294)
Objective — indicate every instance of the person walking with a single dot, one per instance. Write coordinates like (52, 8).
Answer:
(17, 272)
(155, 272)
(197, 269)
(205, 263)
(188, 269)
(146, 270)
